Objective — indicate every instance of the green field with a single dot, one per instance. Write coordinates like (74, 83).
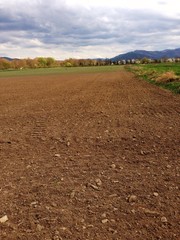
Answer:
(59, 70)
(163, 67)
(149, 72)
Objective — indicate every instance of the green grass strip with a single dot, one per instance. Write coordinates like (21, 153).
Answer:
(60, 70)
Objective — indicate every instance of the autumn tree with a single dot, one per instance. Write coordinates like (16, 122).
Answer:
(42, 62)
(4, 64)
(50, 62)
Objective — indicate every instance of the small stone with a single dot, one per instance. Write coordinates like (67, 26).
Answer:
(43, 139)
(150, 212)
(115, 181)
(90, 226)
(56, 237)
(72, 195)
(57, 232)
(64, 229)
(94, 187)
(156, 194)
(40, 227)
(133, 211)
(57, 155)
(53, 204)
(113, 220)
(113, 231)
(164, 220)
(4, 219)
(113, 195)
(34, 204)
(98, 182)
(142, 152)
(132, 198)
(68, 144)
(104, 221)
(104, 215)
(113, 166)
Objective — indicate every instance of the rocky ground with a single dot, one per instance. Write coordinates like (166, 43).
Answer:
(88, 157)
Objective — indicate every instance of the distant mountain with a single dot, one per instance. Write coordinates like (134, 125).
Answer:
(139, 54)
(7, 58)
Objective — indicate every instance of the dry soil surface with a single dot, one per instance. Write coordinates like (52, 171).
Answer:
(88, 157)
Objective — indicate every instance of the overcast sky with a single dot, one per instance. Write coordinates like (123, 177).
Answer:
(87, 28)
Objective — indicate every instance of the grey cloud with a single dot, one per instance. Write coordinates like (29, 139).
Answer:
(162, 2)
(61, 25)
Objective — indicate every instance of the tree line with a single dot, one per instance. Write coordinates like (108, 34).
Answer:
(42, 62)
(49, 62)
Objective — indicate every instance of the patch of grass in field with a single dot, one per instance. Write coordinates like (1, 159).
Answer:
(151, 73)
(163, 67)
(60, 70)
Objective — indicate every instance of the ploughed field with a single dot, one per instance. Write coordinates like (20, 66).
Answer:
(88, 156)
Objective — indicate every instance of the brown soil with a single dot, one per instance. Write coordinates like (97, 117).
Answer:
(88, 157)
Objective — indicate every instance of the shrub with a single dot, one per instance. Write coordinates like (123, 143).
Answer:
(167, 77)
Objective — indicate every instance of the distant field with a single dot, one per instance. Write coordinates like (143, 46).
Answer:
(151, 72)
(60, 70)
(148, 72)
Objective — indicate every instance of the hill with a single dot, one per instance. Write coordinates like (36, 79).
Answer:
(7, 58)
(139, 54)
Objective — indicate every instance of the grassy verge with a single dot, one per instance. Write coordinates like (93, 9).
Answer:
(159, 75)
(60, 70)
